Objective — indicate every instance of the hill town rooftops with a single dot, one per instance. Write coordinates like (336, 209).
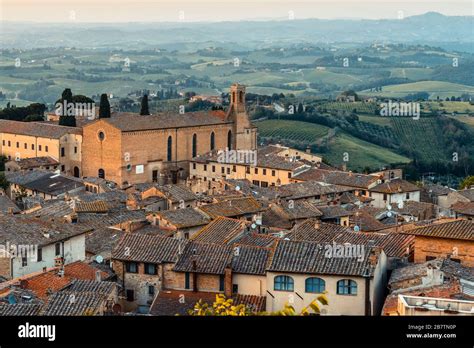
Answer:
(221, 231)
(36, 162)
(458, 229)
(309, 189)
(183, 218)
(395, 186)
(37, 129)
(233, 207)
(467, 193)
(464, 208)
(204, 258)
(148, 248)
(393, 244)
(350, 179)
(30, 231)
(288, 258)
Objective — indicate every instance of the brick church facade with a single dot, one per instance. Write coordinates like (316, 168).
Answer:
(130, 148)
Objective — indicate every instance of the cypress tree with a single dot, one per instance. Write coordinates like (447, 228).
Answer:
(144, 107)
(104, 107)
(64, 119)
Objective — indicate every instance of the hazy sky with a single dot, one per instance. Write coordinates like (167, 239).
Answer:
(219, 10)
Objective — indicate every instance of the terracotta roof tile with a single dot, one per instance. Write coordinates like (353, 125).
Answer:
(459, 229)
(221, 231)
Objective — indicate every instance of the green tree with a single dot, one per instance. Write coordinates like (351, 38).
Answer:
(467, 182)
(3, 182)
(67, 95)
(144, 108)
(104, 107)
(64, 119)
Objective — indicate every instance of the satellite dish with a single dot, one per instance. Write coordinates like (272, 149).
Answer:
(237, 188)
(99, 259)
(356, 228)
(253, 226)
(389, 207)
(400, 205)
(389, 214)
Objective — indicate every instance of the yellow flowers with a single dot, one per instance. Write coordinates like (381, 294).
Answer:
(221, 307)
(226, 307)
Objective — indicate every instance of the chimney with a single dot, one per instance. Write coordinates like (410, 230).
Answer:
(317, 225)
(98, 276)
(228, 282)
(308, 149)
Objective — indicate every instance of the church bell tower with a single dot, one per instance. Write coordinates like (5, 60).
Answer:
(245, 134)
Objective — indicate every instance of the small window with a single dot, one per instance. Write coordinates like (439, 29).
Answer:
(264, 184)
(205, 167)
(289, 175)
(32, 146)
(283, 283)
(315, 285)
(235, 288)
(384, 196)
(26, 146)
(194, 166)
(131, 267)
(75, 149)
(150, 268)
(187, 280)
(234, 169)
(62, 151)
(346, 287)
(39, 147)
(130, 295)
(57, 247)
(17, 144)
(273, 173)
(264, 172)
(408, 195)
(39, 255)
(256, 170)
(24, 261)
(151, 290)
(222, 170)
(247, 170)
(213, 169)
(221, 282)
(429, 258)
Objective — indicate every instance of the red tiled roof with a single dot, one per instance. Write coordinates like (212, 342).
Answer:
(458, 229)
(45, 283)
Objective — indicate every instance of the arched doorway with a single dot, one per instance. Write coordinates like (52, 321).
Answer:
(76, 172)
(101, 173)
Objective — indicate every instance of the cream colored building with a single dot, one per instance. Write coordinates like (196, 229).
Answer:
(297, 282)
(272, 165)
(20, 140)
